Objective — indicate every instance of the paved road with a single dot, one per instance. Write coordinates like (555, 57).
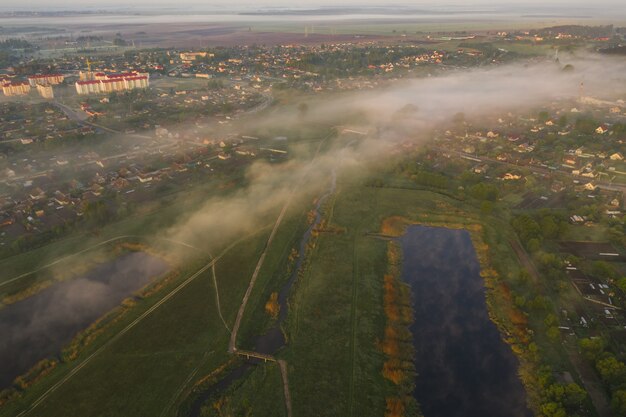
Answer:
(72, 114)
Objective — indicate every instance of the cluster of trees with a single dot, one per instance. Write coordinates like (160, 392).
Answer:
(430, 179)
(553, 398)
(614, 50)
(534, 229)
(8, 48)
(586, 125)
(12, 43)
(89, 38)
(28, 242)
(96, 213)
(215, 84)
(353, 61)
(423, 176)
(579, 30)
(484, 191)
(612, 371)
(562, 400)
(118, 41)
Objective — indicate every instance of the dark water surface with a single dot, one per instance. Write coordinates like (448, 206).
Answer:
(464, 368)
(40, 326)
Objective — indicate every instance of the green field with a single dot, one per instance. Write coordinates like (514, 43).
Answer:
(148, 360)
(336, 320)
(180, 341)
(160, 352)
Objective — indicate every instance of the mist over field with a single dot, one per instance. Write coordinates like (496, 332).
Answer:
(404, 111)
(42, 324)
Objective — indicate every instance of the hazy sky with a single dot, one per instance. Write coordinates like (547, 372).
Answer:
(9, 4)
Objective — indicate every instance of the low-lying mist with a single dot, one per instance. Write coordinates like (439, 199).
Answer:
(407, 110)
(41, 325)
(403, 111)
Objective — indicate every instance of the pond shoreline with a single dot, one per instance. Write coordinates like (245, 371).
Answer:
(394, 228)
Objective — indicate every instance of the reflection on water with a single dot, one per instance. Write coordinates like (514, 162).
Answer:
(39, 326)
(464, 368)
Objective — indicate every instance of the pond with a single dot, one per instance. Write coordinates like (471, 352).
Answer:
(40, 326)
(464, 368)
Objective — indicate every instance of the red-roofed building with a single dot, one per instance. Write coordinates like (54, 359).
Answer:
(16, 88)
(87, 87)
(108, 83)
(45, 79)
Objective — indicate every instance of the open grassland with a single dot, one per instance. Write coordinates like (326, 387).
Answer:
(151, 367)
(272, 276)
(148, 369)
(145, 357)
(336, 319)
(143, 371)
(258, 393)
(179, 83)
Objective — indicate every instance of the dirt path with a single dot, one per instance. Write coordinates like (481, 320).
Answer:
(217, 298)
(232, 344)
(527, 263)
(283, 372)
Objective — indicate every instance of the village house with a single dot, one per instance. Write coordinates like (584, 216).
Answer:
(601, 130)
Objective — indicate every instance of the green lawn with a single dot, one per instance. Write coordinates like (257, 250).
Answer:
(595, 233)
